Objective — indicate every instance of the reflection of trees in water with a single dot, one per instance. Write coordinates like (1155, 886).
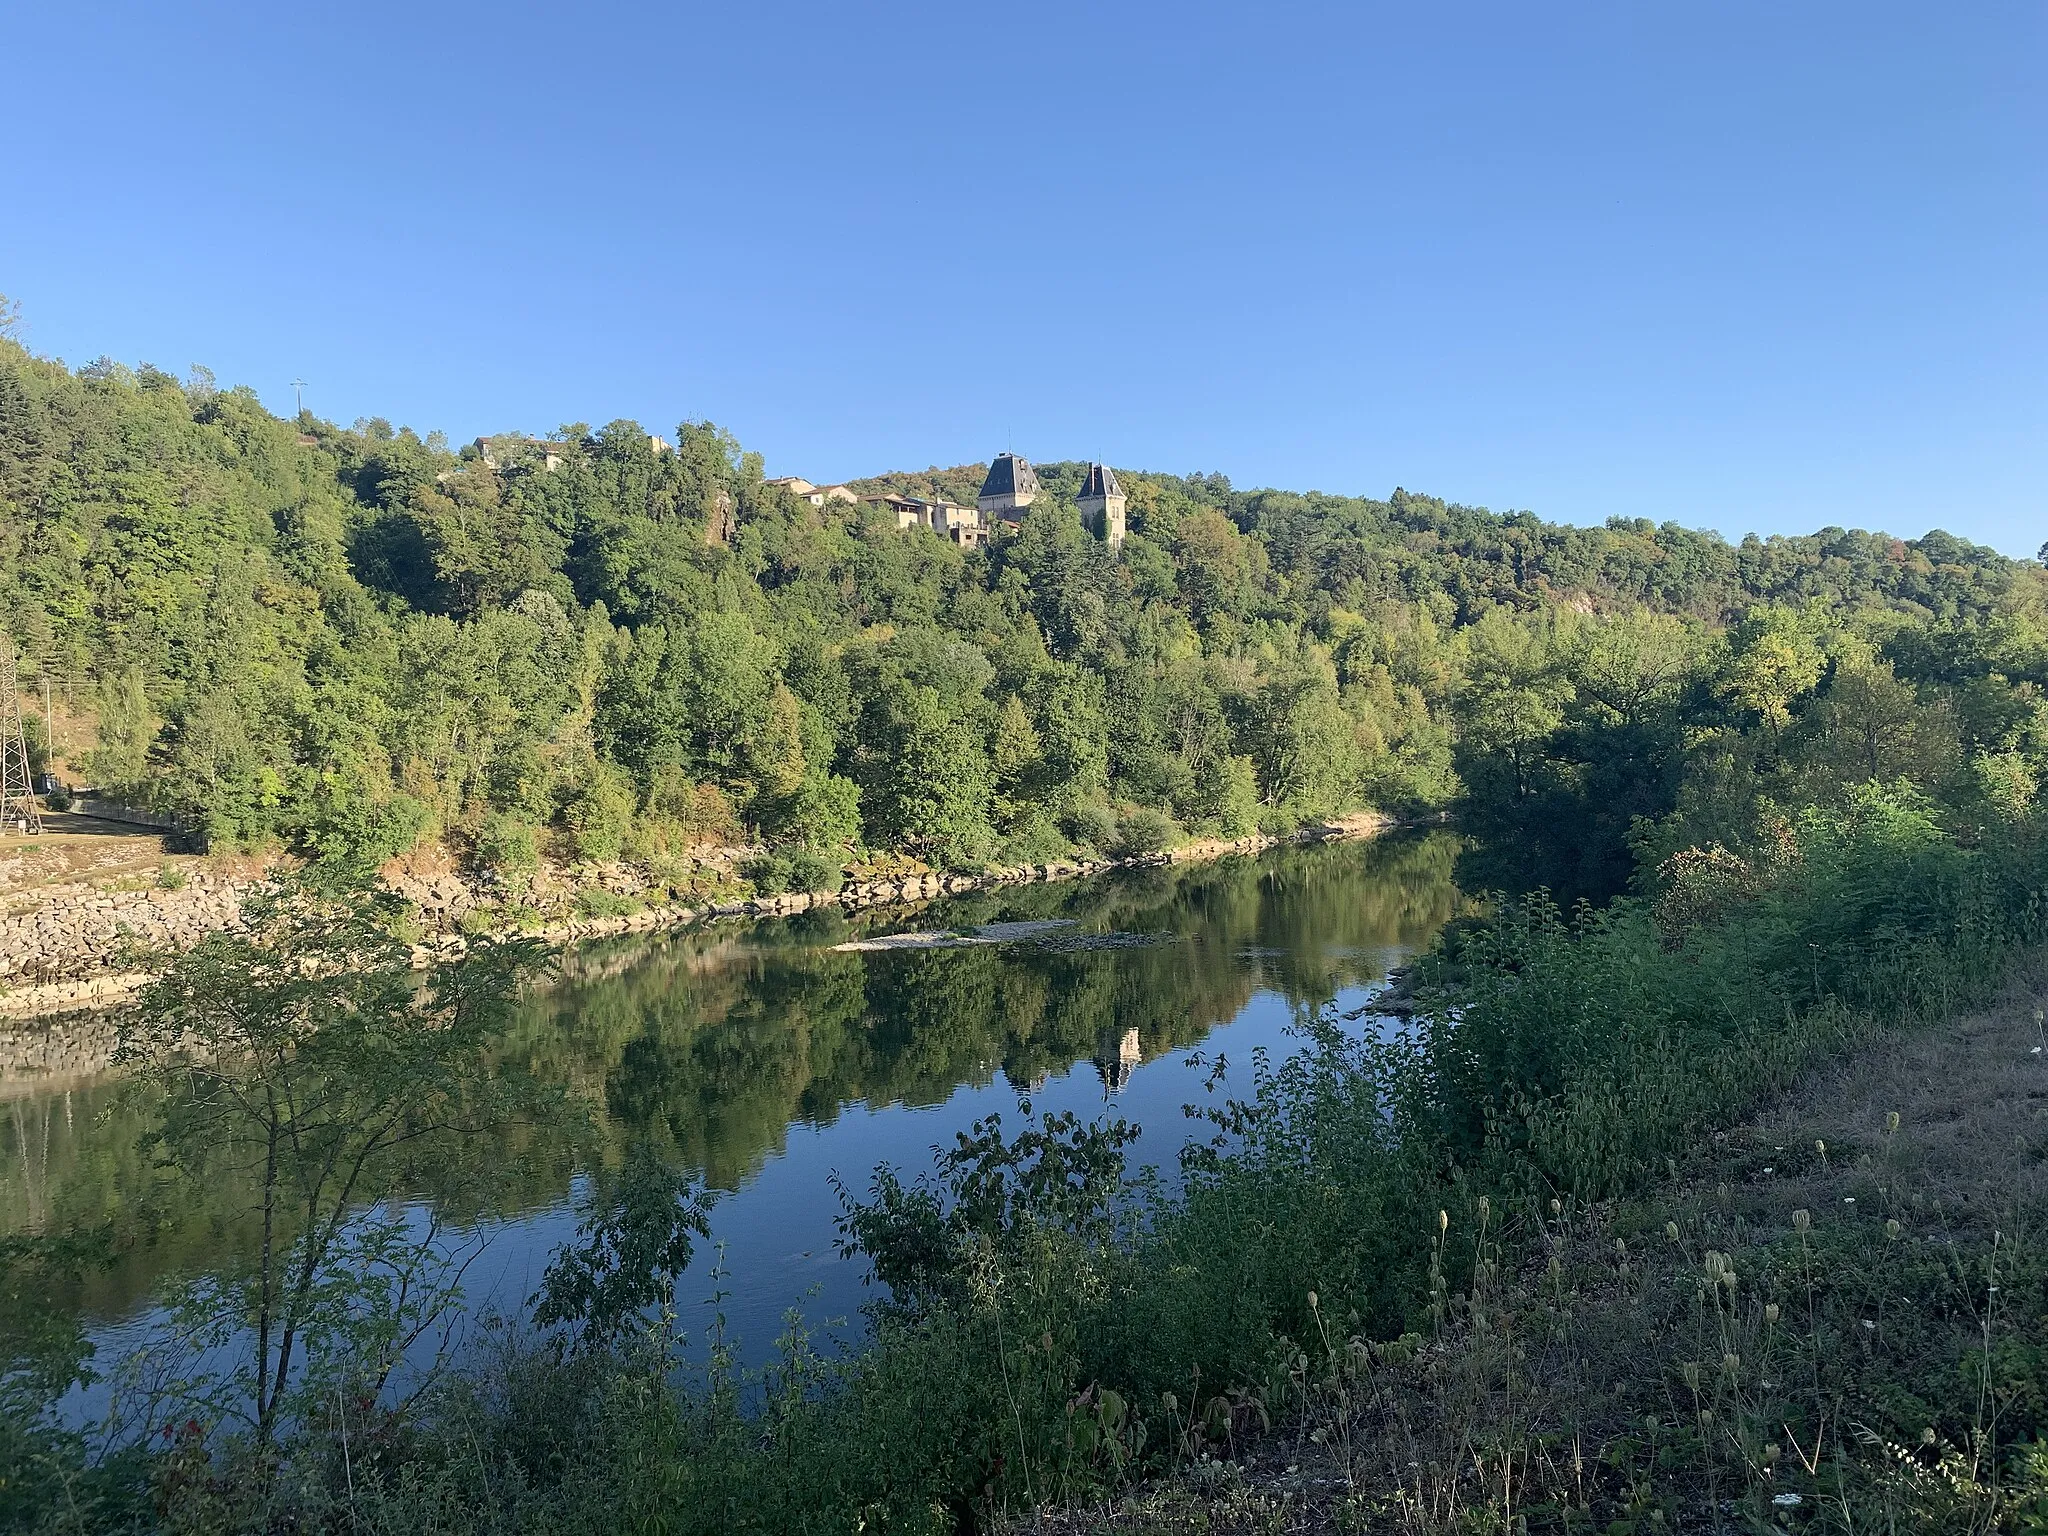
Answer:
(725, 1036)
(725, 1055)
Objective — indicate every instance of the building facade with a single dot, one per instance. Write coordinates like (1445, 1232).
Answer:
(1101, 504)
(1011, 487)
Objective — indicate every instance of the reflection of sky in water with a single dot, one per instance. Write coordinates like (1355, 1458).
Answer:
(777, 1230)
(1293, 942)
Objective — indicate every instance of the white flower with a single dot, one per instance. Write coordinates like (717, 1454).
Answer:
(1787, 1500)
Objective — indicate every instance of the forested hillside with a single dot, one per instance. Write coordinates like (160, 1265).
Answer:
(344, 641)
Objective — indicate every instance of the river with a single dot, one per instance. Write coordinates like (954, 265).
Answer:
(771, 1061)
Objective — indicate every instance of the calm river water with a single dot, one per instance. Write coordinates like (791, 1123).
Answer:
(772, 1061)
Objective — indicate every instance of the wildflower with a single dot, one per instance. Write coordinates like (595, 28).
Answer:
(1869, 1326)
(1891, 1122)
(1801, 1220)
(1787, 1500)
(1731, 1363)
(1443, 1221)
(1770, 1170)
(1556, 1206)
(1312, 1301)
(1891, 1230)
(1771, 1313)
(1848, 1199)
(1671, 1230)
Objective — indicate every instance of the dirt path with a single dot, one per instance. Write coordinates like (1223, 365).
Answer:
(1834, 1319)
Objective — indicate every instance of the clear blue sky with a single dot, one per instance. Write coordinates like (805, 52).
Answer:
(1746, 266)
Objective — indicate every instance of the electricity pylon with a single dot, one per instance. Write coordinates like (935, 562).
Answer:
(18, 807)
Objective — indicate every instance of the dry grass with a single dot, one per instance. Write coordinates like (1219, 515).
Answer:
(1834, 1319)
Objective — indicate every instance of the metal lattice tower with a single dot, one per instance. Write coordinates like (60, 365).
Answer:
(18, 807)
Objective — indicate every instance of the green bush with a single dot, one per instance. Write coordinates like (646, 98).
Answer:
(809, 871)
(595, 901)
(600, 815)
(768, 874)
(1142, 831)
(1090, 824)
(509, 848)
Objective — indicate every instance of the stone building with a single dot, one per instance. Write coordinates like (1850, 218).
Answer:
(1101, 504)
(1011, 486)
(953, 520)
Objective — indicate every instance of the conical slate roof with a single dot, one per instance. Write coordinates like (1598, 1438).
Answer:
(1101, 481)
(1010, 476)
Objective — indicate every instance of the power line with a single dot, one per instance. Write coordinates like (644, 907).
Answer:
(18, 807)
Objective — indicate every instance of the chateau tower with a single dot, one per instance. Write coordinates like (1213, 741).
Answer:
(1011, 486)
(1101, 503)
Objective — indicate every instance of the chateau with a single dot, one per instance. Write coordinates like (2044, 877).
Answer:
(1007, 493)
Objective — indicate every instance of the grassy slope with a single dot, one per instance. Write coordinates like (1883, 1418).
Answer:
(1616, 1387)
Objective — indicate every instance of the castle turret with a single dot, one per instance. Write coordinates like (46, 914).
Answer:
(1101, 504)
(1011, 486)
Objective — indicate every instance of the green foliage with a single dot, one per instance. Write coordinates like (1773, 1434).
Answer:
(508, 848)
(1143, 831)
(302, 1056)
(638, 1232)
(336, 640)
(600, 812)
(793, 869)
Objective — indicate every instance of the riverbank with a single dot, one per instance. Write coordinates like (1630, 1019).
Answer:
(1833, 1310)
(65, 955)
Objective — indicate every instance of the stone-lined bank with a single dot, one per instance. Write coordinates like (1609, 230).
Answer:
(66, 956)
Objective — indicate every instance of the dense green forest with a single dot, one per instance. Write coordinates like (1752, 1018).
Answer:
(343, 641)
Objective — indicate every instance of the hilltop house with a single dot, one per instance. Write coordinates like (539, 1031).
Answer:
(1011, 486)
(1007, 492)
(1101, 504)
(960, 523)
